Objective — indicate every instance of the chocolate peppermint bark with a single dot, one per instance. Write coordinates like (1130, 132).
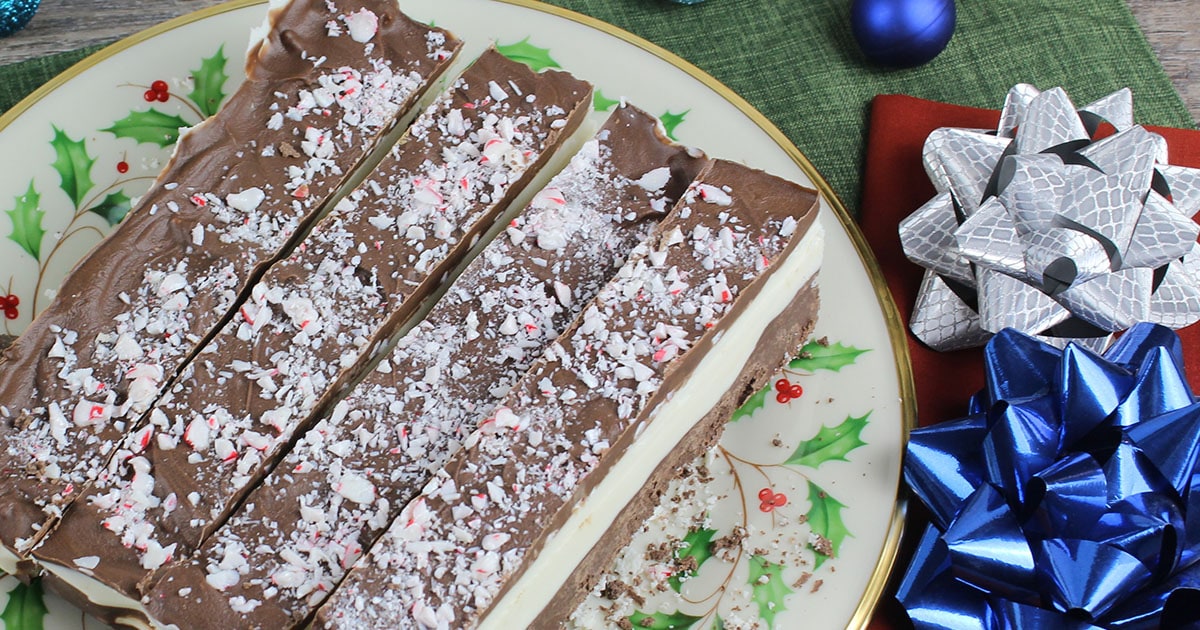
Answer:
(277, 559)
(314, 321)
(237, 191)
(659, 348)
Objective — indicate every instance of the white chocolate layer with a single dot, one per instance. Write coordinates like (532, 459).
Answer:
(8, 561)
(98, 593)
(566, 548)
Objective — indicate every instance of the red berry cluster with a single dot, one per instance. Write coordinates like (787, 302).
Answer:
(9, 304)
(158, 92)
(770, 500)
(787, 391)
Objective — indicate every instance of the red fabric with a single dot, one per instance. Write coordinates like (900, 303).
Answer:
(894, 186)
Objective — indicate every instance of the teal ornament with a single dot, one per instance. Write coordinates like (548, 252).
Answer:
(15, 14)
(902, 33)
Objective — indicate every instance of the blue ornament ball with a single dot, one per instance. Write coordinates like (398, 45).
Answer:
(902, 33)
(15, 14)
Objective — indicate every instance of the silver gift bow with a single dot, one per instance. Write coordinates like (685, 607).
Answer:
(1045, 228)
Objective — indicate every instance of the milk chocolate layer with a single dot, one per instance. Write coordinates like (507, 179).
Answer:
(281, 555)
(456, 548)
(316, 318)
(240, 187)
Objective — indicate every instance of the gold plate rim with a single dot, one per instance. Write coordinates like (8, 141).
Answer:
(895, 325)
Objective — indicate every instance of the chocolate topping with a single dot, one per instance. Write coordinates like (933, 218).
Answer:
(139, 305)
(456, 548)
(350, 475)
(316, 318)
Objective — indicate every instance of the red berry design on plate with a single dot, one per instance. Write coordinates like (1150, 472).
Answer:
(159, 91)
(122, 167)
(9, 304)
(784, 387)
(795, 391)
(769, 500)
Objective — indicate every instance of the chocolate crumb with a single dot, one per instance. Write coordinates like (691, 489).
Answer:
(822, 545)
(287, 150)
(662, 552)
(624, 624)
(817, 586)
(823, 341)
(802, 581)
(776, 442)
(617, 589)
(725, 544)
(687, 565)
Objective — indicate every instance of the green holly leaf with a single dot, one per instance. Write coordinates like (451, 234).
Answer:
(207, 81)
(718, 624)
(825, 520)
(752, 404)
(537, 58)
(25, 607)
(601, 103)
(114, 207)
(671, 121)
(662, 621)
(766, 583)
(695, 545)
(150, 127)
(27, 222)
(831, 443)
(816, 356)
(73, 164)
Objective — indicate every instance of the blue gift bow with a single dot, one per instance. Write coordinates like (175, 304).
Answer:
(1069, 497)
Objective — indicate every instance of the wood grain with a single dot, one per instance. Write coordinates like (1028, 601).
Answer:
(1172, 26)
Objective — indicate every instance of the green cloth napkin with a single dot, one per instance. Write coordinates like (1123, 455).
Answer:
(797, 62)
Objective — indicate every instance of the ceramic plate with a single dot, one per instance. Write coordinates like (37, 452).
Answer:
(808, 470)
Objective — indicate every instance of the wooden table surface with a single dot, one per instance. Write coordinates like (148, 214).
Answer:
(1171, 26)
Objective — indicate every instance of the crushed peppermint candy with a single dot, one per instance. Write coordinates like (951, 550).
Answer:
(314, 319)
(402, 422)
(436, 556)
(112, 366)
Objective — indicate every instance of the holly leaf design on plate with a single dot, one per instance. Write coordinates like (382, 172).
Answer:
(25, 608)
(830, 443)
(671, 121)
(830, 356)
(113, 208)
(208, 81)
(752, 404)
(718, 624)
(150, 127)
(73, 164)
(695, 545)
(27, 222)
(662, 621)
(602, 103)
(537, 58)
(825, 520)
(768, 587)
